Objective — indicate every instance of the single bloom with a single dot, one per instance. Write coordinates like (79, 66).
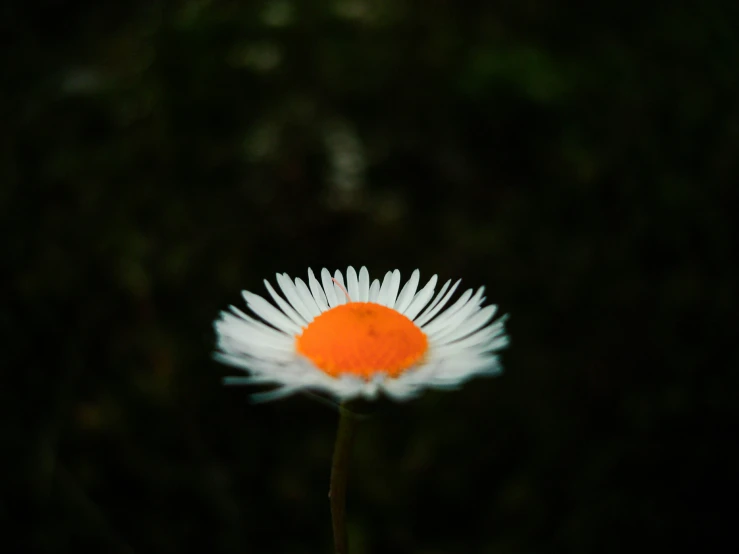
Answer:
(360, 339)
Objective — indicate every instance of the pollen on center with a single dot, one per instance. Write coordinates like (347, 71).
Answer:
(362, 338)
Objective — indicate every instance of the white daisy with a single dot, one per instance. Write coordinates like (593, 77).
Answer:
(360, 339)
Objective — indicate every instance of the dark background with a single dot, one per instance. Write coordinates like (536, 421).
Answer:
(578, 160)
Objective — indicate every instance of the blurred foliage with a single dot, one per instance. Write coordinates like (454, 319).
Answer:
(158, 157)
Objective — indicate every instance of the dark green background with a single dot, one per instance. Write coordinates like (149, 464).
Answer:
(578, 160)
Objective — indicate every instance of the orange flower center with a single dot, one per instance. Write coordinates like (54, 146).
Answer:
(362, 338)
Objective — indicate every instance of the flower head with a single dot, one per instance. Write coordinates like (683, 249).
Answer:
(361, 339)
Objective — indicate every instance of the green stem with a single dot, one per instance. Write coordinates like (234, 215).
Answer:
(339, 473)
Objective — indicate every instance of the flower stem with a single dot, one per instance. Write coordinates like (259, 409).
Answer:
(339, 473)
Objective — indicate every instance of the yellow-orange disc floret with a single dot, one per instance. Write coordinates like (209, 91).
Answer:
(362, 339)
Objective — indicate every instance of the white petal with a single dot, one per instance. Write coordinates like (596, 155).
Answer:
(264, 330)
(291, 293)
(453, 318)
(250, 348)
(477, 341)
(340, 290)
(307, 297)
(374, 291)
(363, 295)
(464, 368)
(352, 285)
(392, 294)
(276, 394)
(469, 326)
(399, 389)
(317, 290)
(385, 288)
(421, 299)
(238, 338)
(243, 380)
(347, 386)
(435, 306)
(455, 314)
(239, 361)
(270, 314)
(491, 344)
(406, 294)
(284, 306)
(328, 287)
(370, 389)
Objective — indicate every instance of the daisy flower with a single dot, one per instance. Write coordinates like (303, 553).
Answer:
(357, 338)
